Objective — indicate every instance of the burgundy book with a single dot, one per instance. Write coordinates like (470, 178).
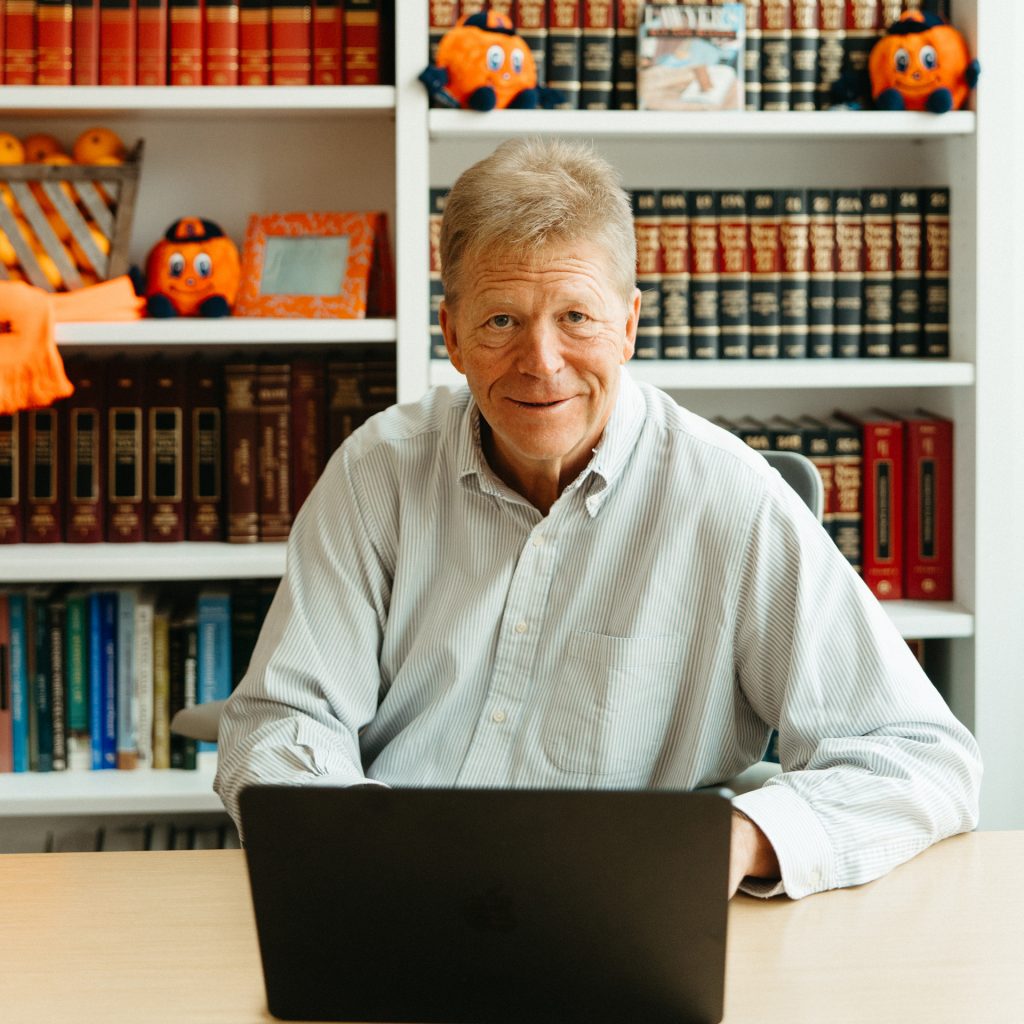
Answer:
(6, 710)
(53, 42)
(308, 424)
(254, 42)
(291, 55)
(117, 42)
(20, 42)
(928, 507)
(205, 435)
(241, 439)
(882, 498)
(362, 20)
(126, 448)
(12, 526)
(328, 43)
(186, 42)
(151, 56)
(166, 416)
(220, 42)
(43, 512)
(86, 450)
(273, 457)
(85, 43)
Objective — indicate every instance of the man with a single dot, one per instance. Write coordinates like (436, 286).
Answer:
(560, 578)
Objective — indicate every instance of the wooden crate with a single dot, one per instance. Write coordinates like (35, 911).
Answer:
(80, 195)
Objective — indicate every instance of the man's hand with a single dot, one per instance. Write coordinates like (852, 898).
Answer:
(751, 853)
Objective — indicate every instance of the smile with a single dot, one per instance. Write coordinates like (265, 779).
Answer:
(554, 404)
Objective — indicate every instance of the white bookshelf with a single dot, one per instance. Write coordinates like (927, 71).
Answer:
(225, 153)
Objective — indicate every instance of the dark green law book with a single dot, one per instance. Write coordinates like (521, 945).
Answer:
(849, 287)
(936, 272)
(908, 249)
(674, 236)
(734, 275)
(765, 272)
(876, 341)
(821, 286)
(647, 227)
(795, 288)
(704, 272)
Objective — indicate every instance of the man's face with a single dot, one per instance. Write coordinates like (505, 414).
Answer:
(541, 342)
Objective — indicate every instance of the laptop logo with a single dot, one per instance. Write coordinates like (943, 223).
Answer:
(490, 911)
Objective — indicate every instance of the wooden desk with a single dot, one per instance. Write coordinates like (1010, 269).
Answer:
(152, 937)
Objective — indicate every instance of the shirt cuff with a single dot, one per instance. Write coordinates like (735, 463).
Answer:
(342, 782)
(801, 844)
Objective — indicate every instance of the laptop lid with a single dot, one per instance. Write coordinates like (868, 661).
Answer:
(489, 906)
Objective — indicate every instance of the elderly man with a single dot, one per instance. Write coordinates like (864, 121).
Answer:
(559, 578)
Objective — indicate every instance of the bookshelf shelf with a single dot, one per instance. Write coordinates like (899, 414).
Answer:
(715, 375)
(104, 563)
(468, 125)
(227, 331)
(111, 792)
(198, 101)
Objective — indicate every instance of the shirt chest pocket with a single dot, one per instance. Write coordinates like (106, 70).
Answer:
(612, 704)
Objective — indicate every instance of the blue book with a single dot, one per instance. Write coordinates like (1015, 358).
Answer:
(103, 678)
(213, 614)
(17, 610)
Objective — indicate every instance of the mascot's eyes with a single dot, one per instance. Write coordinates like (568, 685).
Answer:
(495, 58)
(901, 59)
(929, 58)
(176, 264)
(203, 265)
(518, 59)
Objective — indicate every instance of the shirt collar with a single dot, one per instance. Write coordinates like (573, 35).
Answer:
(609, 459)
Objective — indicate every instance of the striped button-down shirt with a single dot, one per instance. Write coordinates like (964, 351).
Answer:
(678, 601)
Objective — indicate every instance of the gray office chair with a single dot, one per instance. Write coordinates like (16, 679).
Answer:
(201, 722)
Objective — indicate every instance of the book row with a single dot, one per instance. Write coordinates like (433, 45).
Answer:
(167, 450)
(196, 42)
(888, 487)
(794, 52)
(92, 677)
(790, 273)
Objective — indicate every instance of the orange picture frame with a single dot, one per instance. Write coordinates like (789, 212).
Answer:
(316, 265)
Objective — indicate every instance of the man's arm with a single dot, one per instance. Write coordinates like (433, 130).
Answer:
(314, 678)
(876, 768)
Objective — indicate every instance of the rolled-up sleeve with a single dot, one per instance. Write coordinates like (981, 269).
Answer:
(314, 678)
(875, 766)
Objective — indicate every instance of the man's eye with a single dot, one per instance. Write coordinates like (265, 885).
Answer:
(500, 320)
(574, 316)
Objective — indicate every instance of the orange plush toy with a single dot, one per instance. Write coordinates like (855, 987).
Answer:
(921, 63)
(192, 271)
(483, 64)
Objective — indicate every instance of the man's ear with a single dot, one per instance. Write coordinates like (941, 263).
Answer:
(632, 322)
(451, 340)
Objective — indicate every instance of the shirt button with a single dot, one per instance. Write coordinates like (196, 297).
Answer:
(520, 627)
(538, 541)
(498, 716)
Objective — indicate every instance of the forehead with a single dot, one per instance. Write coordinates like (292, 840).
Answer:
(579, 266)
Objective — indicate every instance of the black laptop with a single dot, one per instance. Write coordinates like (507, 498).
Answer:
(489, 906)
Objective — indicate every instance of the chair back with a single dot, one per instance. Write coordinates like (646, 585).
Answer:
(802, 475)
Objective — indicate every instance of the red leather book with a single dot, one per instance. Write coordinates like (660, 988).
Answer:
(12, 482)
(928, 507)
(152, 42)
(85, 43)
(3, 32)
(43, 512)
(117, 42)
(254, 43)
(241, 440)
(328, 43)
(362, 42)
(308, 423)
(126, 447)
(53, 42)
(291, 54)
(86, 448)
(20, 42)
(186, 43)
(882, 503)
(273, 385)
(220, 42)
(166, 418)
(205, 489)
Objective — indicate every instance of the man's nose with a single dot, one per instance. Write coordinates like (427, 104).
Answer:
(540, 354)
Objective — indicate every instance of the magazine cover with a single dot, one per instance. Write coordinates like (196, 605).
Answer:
(690, 57)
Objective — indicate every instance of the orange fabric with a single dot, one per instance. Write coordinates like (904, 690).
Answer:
(31, 369)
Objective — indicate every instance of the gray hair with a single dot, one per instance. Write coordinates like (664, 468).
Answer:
(530, 193)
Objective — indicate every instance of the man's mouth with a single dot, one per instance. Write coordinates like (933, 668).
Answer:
(551, 404)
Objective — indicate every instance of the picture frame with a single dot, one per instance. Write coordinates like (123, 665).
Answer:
(316, 265)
